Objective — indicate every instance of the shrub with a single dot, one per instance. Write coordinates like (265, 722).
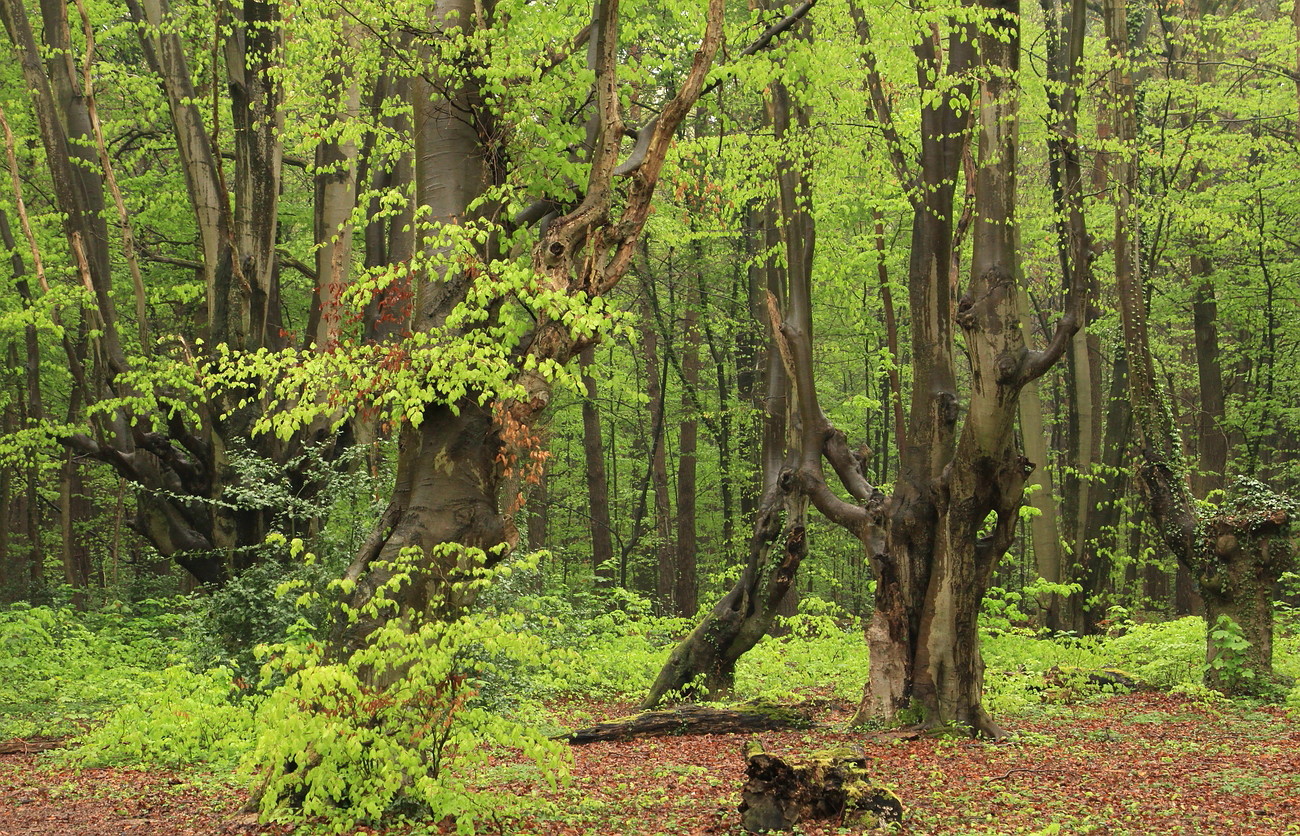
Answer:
(399, 727)
(824, 646)
(177, 718)
(251, 609)
(1164, 654)
(60, 668)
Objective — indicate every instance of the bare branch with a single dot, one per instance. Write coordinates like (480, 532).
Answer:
(644, 134)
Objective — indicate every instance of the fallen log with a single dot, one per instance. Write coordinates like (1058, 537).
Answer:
(781, 792)
(695, 719)
(28, 745)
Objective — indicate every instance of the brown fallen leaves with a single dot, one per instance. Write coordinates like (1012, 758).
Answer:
(1135, 764)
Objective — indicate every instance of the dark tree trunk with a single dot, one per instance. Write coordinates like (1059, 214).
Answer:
(602, 544)
(74, 515)
(1100, 538)
(684, 594)
(694, 719)
(664, 565)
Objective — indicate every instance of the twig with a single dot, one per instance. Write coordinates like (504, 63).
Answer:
(1011, 772)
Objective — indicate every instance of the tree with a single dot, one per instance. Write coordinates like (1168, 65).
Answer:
(459, 453)
(138, 400)
(953, 513)
(1238, 552)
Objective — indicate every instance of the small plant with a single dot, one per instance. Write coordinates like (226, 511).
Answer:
(1229, 658)
(1165, 654)
(59, 668)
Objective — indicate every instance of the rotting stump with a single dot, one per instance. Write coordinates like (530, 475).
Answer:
(782, 791)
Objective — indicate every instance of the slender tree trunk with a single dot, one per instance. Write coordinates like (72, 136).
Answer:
(602, 546)
(1101, 538)
(656, 388)
(74, 514)
(335, 175)
(684, 594)
(891, 337)
(1045, 529)
(9, 508)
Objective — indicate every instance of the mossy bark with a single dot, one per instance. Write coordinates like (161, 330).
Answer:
(783, 791)
(1243, 558)
(695, 719)
(704, 664)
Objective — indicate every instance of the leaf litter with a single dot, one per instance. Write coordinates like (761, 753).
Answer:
(1135, 764)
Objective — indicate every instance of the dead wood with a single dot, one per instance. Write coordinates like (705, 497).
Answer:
(28, 745)
(831, 785)
(695, 719)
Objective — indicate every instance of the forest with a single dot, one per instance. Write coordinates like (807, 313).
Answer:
(650, 416)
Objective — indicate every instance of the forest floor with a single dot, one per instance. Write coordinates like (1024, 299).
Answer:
(1139, 764)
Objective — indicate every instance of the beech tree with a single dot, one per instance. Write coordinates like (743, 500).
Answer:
(207, 488)
(465, 450)
(952, 515)
(1237, 551)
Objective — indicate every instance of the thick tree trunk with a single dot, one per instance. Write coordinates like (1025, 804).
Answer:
(1247, 554)
(444, 517)
(902, 566)
(443, 520)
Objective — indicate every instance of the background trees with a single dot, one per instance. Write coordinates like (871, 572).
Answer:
(345, 210)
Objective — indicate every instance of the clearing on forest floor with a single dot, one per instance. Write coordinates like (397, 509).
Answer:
(1132, 765)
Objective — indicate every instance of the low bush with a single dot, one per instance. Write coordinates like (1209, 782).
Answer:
(400, 726)
(177, 718)
(60, 669)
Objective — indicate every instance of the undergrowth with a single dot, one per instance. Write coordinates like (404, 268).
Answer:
(322, 740)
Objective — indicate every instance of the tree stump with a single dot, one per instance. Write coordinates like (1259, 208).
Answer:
(783, 791)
